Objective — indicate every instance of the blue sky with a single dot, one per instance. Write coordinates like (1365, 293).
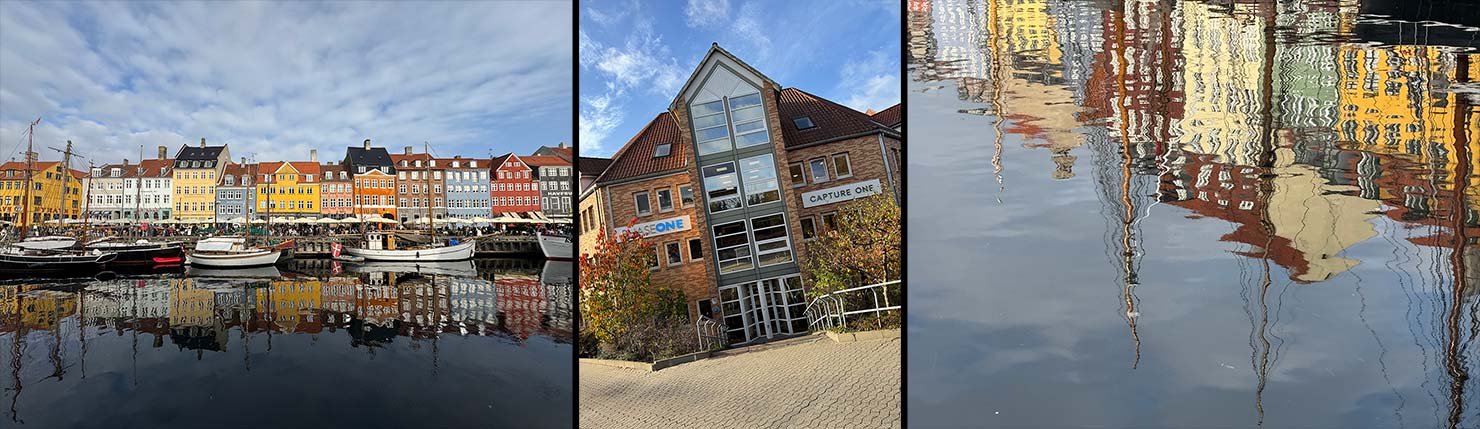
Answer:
(635, 55)
(275, 80)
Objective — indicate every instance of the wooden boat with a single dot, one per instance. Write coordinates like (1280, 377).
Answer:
(556, 247)
(17, 262)
(380, 246)
(49, 242)
(142, 253)
(231, 252)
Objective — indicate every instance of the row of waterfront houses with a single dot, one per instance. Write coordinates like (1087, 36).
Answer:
(201, 183)
(730, 181)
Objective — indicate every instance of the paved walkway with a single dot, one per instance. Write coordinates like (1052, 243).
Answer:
(802, 382)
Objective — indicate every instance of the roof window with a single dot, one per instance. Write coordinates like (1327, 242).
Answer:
(804, 122)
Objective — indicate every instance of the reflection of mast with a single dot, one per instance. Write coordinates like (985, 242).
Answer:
(997, 57)
(1128, 215)
(15, 362)
(1453, 362)
(82, 331)
(1265, 189)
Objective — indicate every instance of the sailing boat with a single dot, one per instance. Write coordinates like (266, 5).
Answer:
(46, 255)
(381, 245)
(232, 251)
(141, 253)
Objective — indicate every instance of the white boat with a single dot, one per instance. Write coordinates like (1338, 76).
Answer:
(230, 252)
(379, 246)
(50, 242)
(556, 247)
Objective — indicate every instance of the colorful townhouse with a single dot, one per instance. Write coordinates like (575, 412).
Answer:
(288, 189)
(196, 171)
(336, 193)
(56, 192)
(554, 175)
(236, 196)
(419, 183)
(513, 188)
(730, 180)
(129, 191)
(374, 176)
(467, 187)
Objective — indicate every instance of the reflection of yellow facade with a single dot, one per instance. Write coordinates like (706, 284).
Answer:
(1026, 50)
(1223, 76)
(291, 301)
(189, 305)
(1387, 107)
(1319, 220)
(46, 192)
(42, 310)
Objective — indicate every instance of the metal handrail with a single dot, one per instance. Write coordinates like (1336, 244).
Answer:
(830, 310)
(709, 332)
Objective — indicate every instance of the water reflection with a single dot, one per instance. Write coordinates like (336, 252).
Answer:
(1294, 177)
(447, 336)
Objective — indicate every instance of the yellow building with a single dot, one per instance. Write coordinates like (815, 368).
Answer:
(288, 189)
(195, 174)
(190, 305)
(292, 304)
(48, 200)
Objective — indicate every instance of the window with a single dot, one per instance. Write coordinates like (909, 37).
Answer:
(819, 170)
(709, 127)
(732, 247)
(803, 123)
(749, 119)
(720, 187)
(696, 250)
(674, 252)
(759, 173)
(662, 150)
(841, 166)
(656, 258)
(798, 178)
(686, 196)
(665, 200)
(640, 200)
(771, 243)
(829, 220)
(809, 228)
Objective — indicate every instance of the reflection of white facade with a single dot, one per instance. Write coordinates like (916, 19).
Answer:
(1222, 75)
(473, 300)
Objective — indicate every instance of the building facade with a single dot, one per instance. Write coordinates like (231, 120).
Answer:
(236, 196)
(374, 175)
(336, 193)
(467, 187)
(195, 174)
(287, 189)
(554, 175)
(419, 186)
(512, 186)
(55, 192)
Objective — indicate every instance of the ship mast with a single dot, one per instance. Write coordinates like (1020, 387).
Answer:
(67, 174)
(139, 186)
(427, 174)
(25, 216)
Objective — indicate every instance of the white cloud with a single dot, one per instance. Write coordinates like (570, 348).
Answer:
(278, 80)
(642, 63)
(748, 28)
(598, 118)
(706, 13)
(871, 82)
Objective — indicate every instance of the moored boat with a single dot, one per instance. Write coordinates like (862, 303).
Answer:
(17, 262)
(231, 252)
(142, 253)
(380, 246)
(49, 242)
(556, 247)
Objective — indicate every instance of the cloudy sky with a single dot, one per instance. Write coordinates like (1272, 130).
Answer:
(635, 55)
(274, 80)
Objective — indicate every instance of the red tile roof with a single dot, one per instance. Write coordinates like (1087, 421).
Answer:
(20, 168)
(150, 169)
(333, 171)
(889, 116)
(636, 157)
(831, 120)
(544, 160)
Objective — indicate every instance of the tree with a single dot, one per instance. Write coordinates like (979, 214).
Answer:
(616, 288)
(862, 248)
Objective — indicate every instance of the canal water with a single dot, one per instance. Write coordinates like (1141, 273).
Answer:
(483, 343)
(1193, 214)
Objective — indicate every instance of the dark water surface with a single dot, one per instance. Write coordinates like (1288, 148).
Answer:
(1193, 214)
(483, 343)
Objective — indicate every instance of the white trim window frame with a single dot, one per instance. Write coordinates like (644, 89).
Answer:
(770, 238)
(733, 252)
(812, 170)
(665, 194)
(749, 118)
(711, 127)
(848, 162)
(758, 175)
(644, 205)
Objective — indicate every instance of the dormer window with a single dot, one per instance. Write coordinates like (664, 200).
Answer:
(473, 164)
(418, 163)
(403, 163)
(662, 150)
(456, 164)
(803, 123)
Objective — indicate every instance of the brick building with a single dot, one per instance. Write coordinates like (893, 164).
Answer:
(512, 186)
(419, 186)
(554, 176)
(729, 181)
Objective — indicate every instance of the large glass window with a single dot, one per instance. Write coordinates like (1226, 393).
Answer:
(709, 127)
(749, 119)
(771, 243)
(759, 173)
(721, 188)
(732, 247)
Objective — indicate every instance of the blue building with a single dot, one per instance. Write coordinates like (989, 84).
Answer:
(467, 187)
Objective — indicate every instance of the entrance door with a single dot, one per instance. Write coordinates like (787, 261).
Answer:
(763, 310)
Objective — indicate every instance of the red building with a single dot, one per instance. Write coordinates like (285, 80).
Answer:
(513, 186)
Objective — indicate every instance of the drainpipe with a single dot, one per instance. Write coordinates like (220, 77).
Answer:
(889, 172)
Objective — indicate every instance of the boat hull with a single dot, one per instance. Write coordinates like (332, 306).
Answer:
(556, 248)
(459, 252)
(258, 258)
(14, 266)
(148, 256)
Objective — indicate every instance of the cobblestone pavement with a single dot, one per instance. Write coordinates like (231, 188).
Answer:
(801, 382)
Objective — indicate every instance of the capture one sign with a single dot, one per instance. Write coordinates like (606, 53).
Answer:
(840, 193)
(659, 227)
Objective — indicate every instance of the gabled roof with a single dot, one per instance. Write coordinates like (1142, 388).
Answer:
(562, 151)
(832, 120)
(195, 153)
(714, 50)
(333, 171)
(447, 162)
(357, 155)
(889, 117)
(636, 157)
(411, 161)
(234, 170)
(302, 167)
(544, 161)
(149, 169)
(590, 166)
(157, 168)
(499, 161)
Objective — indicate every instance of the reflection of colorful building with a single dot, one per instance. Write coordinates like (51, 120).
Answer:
(1223, 78)
(521, 301)
(293, 304)
(189, 305)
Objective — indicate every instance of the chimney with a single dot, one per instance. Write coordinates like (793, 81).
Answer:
(125, 161)
(562, 145)
(163, 152)
(244, 160)
(367, 144)
(313, 155)
(202, 142)
(408, 150)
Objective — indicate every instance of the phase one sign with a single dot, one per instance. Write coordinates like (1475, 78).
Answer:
(658, 227)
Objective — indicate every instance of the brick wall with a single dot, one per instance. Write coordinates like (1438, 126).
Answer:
(690, 276)
(867, 164)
